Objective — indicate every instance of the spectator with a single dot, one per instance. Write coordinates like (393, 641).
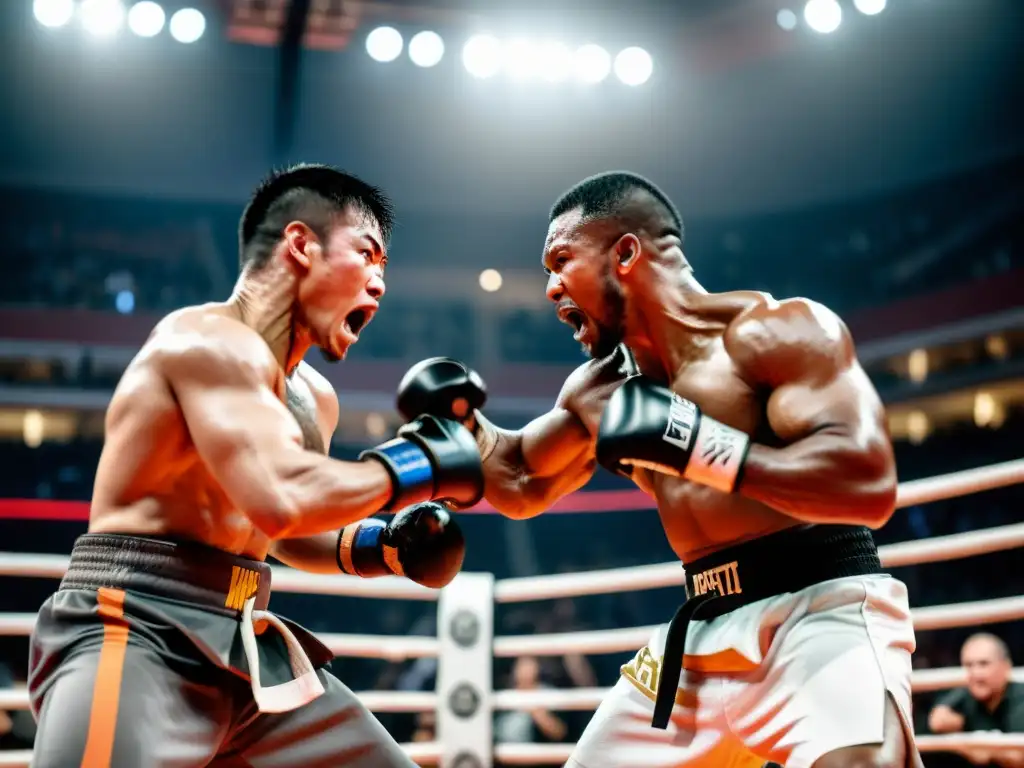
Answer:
(537, 725)
(990, 702)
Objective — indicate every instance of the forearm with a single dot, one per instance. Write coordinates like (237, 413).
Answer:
(314, 494)
(549, 724)
(314, 554)
(1010, 759)
(513, 482)
(823, 478)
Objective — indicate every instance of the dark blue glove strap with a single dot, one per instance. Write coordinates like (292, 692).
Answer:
(410, 469)
(360, 551)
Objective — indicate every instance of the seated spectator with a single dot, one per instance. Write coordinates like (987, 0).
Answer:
(534, 726)
(990, 702)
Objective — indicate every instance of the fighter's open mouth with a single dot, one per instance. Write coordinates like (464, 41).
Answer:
(356, 319)
(575, 318)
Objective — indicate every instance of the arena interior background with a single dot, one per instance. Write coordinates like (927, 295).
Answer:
(866, 154)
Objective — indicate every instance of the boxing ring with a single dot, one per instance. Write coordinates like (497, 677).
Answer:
(465, 647)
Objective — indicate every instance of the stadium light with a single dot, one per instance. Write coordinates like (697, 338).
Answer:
(53, 13)
(187, 25)
(384, 44)
(426, 49)
(102, 18)
(490, 280)
(633, 66)
(869, 7)
(786, 19)
(823, 16)
(146, 19)
(521, 59)
(555, 61)
(482, 56)
(592, 63)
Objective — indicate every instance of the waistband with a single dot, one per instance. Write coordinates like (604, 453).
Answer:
(184, 571)
(776, 564)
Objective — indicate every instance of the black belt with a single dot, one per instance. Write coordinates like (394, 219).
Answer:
(184, 571)
(787, 561)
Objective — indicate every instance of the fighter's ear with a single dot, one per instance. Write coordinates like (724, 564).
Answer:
(303, 244)
(627, 253)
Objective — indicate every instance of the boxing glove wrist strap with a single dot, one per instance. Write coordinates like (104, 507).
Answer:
(412, 475)
(362, 551)
(717, 456)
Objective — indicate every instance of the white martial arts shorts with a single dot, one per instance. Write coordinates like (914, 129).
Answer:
(786, 679)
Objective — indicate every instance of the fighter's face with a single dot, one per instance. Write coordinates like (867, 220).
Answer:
(582, 284)
(342, 284)
(988, 671)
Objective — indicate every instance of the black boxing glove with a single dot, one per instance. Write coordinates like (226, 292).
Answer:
(647, 425)
(422, 543)
(431, 459)
(441, 387)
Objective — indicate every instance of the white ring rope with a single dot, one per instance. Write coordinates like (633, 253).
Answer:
(554, 699)
(530, 754)
(283, 579)
(930, 550)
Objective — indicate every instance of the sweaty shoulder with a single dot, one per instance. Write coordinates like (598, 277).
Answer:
(321, 389)
(206, 342)
(593, 378)
(773, 341)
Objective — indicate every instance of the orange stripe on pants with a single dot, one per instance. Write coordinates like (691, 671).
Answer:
(99, 744)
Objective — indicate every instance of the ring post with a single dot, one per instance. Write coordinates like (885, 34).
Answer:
(465, 632)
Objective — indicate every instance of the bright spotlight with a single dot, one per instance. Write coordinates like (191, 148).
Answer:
(53, 13)
(592, 63)
(823, 16)
(490, 280)
(33, 428)
(786, 19)
(426, 49)
(869, 7)
(522, 59)
(555, 61)
(633, 66)
(482, 56)
(102, 17)
(146, 19)
(384, 44)
(187, 25)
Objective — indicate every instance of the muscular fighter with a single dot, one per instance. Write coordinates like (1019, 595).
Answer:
(752, 424)
(158, 649)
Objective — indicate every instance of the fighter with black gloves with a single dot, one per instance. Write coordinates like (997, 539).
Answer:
(764, 444)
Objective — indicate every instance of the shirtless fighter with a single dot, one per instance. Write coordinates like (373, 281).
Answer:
(752, 424)
(158, 650)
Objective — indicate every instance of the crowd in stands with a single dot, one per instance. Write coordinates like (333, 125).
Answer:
(860, 253)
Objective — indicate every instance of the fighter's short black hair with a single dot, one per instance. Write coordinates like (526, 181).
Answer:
(614, 195)
(313, 194)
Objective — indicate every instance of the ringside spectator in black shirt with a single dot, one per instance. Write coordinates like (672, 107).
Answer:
(990, 702)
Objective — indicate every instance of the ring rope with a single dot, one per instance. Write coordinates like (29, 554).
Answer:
(590, 642)
(554, 699)
(658, 575)
(531, 754)
(961, 483)
(283, 579)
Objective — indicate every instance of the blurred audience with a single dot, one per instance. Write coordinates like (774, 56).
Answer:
(991, 701)
(532, 726)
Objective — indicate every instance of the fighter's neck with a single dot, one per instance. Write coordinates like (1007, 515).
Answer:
(668, 330)
(265, 301)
